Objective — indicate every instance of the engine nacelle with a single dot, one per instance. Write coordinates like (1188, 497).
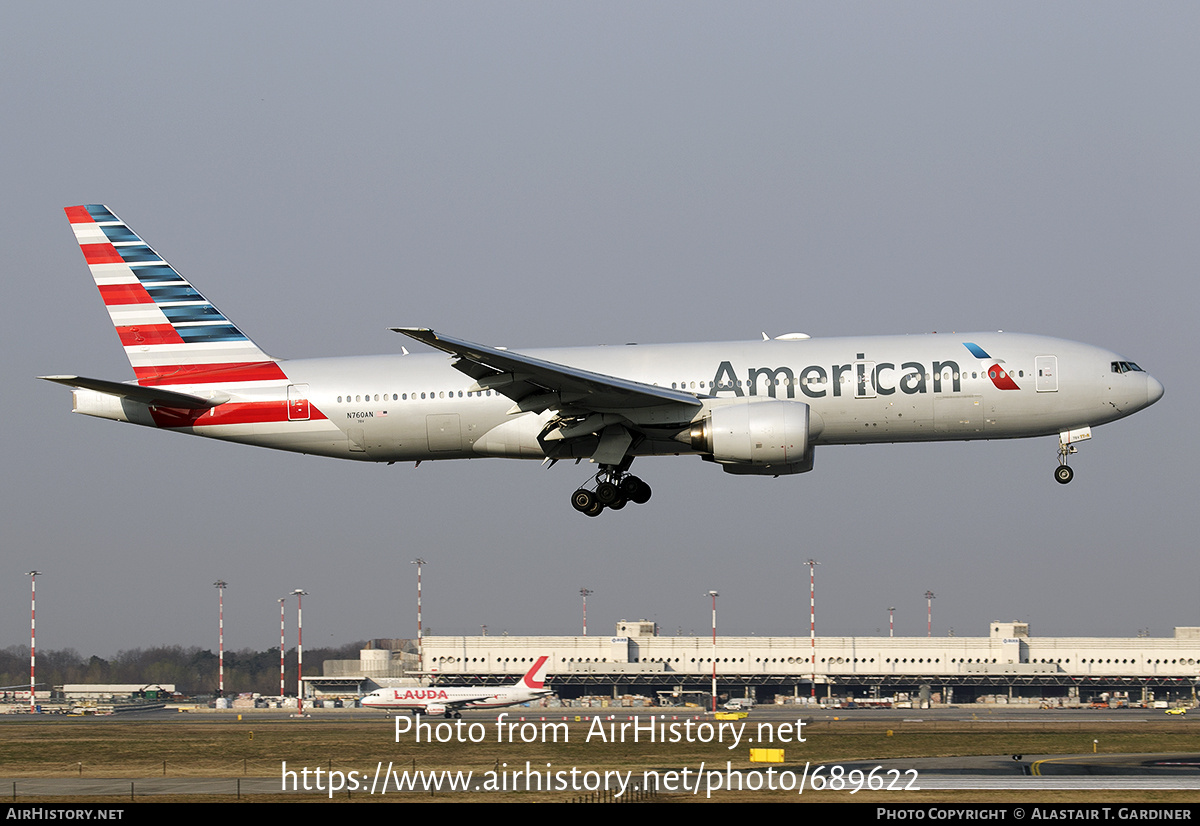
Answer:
(761, 437)
(434, 709)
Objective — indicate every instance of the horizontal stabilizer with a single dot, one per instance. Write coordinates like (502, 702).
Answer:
(152, 396)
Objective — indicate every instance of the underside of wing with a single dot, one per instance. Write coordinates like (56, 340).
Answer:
(610, 413)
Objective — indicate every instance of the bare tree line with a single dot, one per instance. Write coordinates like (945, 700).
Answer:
(193, 670)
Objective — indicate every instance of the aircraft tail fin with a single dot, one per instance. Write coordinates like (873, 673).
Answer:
(535, 677)
(171, 333)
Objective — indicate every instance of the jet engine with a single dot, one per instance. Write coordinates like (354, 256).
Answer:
(767, 437)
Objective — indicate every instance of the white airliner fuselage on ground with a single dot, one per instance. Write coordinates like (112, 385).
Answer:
(754, 408)
(450, 700)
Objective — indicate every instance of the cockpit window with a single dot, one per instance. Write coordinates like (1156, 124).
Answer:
(1126, 367)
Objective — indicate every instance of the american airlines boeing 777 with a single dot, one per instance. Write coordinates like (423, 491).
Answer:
(753, 408)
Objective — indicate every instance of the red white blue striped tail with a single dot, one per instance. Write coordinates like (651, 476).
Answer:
(171, 333)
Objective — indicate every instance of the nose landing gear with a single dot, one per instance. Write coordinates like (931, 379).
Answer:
(1066, 448)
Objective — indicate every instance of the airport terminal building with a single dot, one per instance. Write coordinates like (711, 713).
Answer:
(1008, 663)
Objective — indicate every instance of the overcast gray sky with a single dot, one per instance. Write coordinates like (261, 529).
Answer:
(530, 174)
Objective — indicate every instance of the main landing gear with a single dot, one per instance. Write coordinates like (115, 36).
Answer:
(615, 488)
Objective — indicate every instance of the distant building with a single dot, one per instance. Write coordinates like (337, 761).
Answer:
(1009, 662)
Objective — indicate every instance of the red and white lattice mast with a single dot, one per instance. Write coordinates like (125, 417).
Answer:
(583, 592)
(420, 646)
(714, 596)
(33, 575)
(812, 623)
(282, 643)
(220, 585)
(299, 594)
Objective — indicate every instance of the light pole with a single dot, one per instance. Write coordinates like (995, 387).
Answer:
(929, 597)
(583, 592)
(892, 621)
(282, 643)
(812, 623)
(220, 585)
(714, 596)
(420, 646)
(33, 575)
(299, 594)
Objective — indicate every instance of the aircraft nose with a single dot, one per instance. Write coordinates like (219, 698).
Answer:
(1154, 390)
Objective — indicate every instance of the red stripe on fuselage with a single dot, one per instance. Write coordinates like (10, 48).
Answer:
(115, 295)
(149, 334)
(227, 414)
(78, 215)
(208, 373)
(101, 254)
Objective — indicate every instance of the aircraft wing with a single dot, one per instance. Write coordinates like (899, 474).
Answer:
(463, 702)
(152, 396)
(537, 385)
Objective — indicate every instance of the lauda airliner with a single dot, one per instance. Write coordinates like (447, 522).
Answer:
(450, 700)
(753, 408)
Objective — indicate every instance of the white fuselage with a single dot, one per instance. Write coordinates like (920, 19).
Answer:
(859, 390)
(436, 700)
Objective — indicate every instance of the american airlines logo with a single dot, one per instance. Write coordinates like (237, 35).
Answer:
(1001, 378)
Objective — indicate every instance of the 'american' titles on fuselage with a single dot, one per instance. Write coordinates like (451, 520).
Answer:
(814, 381)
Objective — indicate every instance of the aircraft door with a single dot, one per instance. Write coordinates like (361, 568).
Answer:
(298, 406)
(864, 379)
(1047, 373)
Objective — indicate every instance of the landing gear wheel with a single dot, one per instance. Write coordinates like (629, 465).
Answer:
(1063, 474)
(608, 493)
(617, 505)
(635, 490)
(583, 500)
(595, 509)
